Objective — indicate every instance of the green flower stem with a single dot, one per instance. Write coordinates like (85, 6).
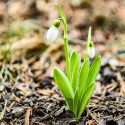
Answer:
(63, 18)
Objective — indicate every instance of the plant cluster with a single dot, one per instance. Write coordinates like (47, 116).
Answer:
(77, 86)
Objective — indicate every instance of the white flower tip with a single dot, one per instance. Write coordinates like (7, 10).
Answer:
(91, 52)
(52, 34)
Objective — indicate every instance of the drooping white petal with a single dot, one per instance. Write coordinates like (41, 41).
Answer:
(91, 52)
(52, 34)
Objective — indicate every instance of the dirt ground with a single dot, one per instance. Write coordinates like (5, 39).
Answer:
(28, 93)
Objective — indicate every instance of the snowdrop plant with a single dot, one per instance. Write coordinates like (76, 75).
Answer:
(77, 85)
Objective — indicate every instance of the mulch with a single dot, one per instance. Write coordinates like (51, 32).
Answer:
(37, 100)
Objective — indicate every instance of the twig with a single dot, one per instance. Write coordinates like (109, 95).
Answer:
(122, 84)
(3, 111)
(27, 116)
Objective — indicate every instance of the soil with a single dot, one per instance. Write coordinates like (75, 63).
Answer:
(40, 102)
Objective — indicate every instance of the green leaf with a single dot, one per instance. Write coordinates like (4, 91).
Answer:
(73, 58)
(75, 61)
(69, 103)
(94, 70)
(83, 77)
(63, 84)
(85, 99)
(89, 39)
(89, 35)
(75, 102)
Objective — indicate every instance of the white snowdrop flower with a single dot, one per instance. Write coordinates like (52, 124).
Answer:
(52, 33)
(91, 52)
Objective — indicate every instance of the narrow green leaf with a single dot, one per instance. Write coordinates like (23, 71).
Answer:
(63, 84)
(69, 103)
(75, 72)
(73, 58)
(85, 99)
(89, 39)
(89, 35)
(83, 77)
(94, 69)
(75, 102)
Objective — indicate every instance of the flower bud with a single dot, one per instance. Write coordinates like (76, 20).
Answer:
(52, 34)
(91, 50)
(56, 23)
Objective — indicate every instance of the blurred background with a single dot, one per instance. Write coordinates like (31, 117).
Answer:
(24, 23)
